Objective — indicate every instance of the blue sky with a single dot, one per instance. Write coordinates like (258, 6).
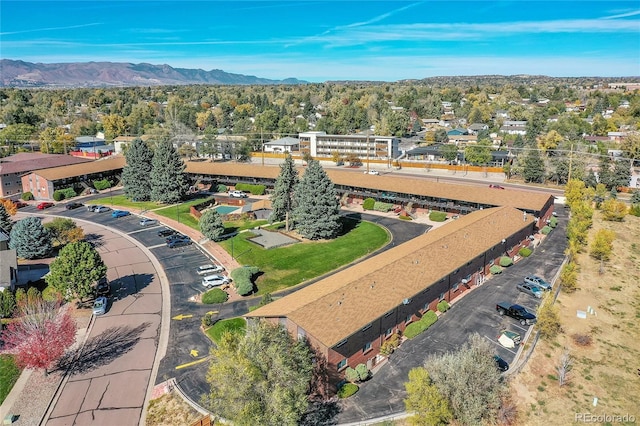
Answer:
(333, 40)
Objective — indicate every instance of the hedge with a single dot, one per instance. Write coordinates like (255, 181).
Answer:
(553, 222)
(215, 295)
(368, 204)
(495, 269)
(415, 328)
(347, 390)
(438, 216)
(405, 217)
(101, 184)
(243, 279)
(506, 261)
(382, 207)
(253, 189)
(58, 195)
(525, 252)
(443, 306)
(222, 188)
(27, 196)
(545, 230)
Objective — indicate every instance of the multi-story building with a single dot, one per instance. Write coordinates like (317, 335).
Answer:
(364, 146)
(8, 263)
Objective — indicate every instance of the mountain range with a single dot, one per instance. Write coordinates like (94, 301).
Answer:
(23, 74)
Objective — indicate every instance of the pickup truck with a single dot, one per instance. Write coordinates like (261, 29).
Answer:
(516, 311)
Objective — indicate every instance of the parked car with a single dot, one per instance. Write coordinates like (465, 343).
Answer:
(175, 236)
(120, 213)
(501, 364)
(166, 232)
(496, 186)
(20, 204)
(371, 172)
(215, 281)
(44, 205)
(101, 209)
(516, 311)
(91, 207)
(145, 221)
(103, 288)
(100, 306)
(179, 243)
(539, 282)
(74, 205)
(209, 269)
(237, 194)
(530, 289)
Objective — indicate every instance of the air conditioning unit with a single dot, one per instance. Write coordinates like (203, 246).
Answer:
(406, 301)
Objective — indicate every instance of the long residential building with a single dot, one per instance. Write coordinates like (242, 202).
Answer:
(350, 314)
(364, 146)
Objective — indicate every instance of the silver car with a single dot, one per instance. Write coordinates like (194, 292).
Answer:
(538, 282)
(100, 306)
(209, 269)
(530, 289)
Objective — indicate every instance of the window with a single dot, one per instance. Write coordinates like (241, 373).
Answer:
(340, 343)
(455, 287)
(388, 332)
(425, 307)
(342, 364)
(408, 319)
(441, 296)
(366, 348)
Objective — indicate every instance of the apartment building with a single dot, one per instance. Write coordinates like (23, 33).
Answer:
(364, 146)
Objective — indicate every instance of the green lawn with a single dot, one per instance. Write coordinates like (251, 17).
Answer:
(9, 374)
(122, 201)
(287, 266)
(181, 212)
(234, 325)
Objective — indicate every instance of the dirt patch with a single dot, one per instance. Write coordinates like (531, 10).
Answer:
(604, 345)
(169, 410)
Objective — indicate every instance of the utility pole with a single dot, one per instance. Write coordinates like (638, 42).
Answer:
(570, 161)
(262, 145)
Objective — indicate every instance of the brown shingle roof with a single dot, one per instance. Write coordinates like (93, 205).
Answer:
(108, 164)
(520, 199)
(25, 162)
(337, 306)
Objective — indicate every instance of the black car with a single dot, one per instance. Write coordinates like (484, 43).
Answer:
(501, 364)
(179, 243)
(72, 206)
(103, 288)
(166, 232)
(175, 237)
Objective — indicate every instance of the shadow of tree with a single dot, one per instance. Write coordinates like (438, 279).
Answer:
(94, 239)
(321, 413)
(102, 349)
(129, 285)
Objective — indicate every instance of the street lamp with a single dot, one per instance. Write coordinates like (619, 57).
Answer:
(178, 212)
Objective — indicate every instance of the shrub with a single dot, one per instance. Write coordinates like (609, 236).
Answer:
(58, 195)
(524, 252)
(101, 184)
(369, 204)
(438, 216)
(545, 230)
(390, 345)
(403, 217)
(569, 277)
(382, 207)
(415, 328)
(495, 269)
(553, 222)
(634, 210)
(548, 319)
(506, 261)
(222, 188)
(614, 210)
(443, 306)
(215, 295)
(351, 375)
(347, 390)
(363, 372)
(27, 196)
(69, 192)
(208, 320)
(243, 279)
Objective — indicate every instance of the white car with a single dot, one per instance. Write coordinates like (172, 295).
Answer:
(101, 209)
(209, 269)
(371, 172)
(211, 281)
(237, 194)
(147, 222)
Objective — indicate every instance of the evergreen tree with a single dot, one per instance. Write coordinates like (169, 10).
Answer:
(75, 270)
(591, 180)
(211, 224)
(5, 220)
(605, 173)
(316, 213)
(30, 239)
(533, 168)
(283, 190)
(136, 174)
(168, 180)
(621, 174)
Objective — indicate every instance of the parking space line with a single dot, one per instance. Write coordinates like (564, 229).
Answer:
(499, 345)
(520, 327)
(157, 246)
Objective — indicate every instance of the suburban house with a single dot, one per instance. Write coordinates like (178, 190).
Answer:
(287, 144)
(320, 144)
(92, 147)
(121, 142)
(477, 127)
(350, 314)
(457, 132)
(8, 263)
(513, 127)
(14, 166)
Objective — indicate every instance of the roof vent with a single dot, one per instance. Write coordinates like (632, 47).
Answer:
(406, 301)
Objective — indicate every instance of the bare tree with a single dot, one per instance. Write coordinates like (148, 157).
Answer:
(564, 367)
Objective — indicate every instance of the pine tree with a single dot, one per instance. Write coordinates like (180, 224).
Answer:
(136, 174)
(316, 213)
(30, 239)
(282, 197)
(211, 224)
(533, 167)
(168, 180)
(621, 174)
(5, 220)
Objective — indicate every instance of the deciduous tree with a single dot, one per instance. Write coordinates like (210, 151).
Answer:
(30, 239)
(425, 400)
(168, 180)
(282, 197)
(75, 270)
(602, 244)
(211, 224)
(9, 206)
(136, 174)
(260, 378)
(64, 230)
(41, 334)
(613, 210)
(317, 208)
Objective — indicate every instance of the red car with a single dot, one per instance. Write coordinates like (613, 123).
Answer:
(496, 186)
(20, 204)
(44, 205)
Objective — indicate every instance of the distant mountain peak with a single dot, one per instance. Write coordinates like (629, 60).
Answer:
(21, 74)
